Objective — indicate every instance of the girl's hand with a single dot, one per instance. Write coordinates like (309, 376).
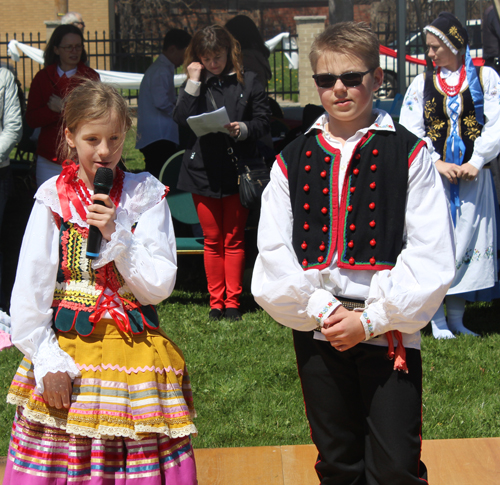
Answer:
(57, 389)
(468, 172)
(343, 329)
(233, 129)
(449, 170)
(102, 216)
(55, 103)
(194, 71)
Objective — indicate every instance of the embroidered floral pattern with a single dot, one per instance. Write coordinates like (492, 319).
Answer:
(473, 127)
(368, 323)
(454, 33)
(326, 311)
(473, 256)
(430, 108)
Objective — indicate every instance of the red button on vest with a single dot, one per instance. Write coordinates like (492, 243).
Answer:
(324, 210)
(373, 168)
(323, 174)
(306, 226)
(307, 168)
(325, 228)
(327, 159)
(308, 153)
(352, 260)
(307, 206)
(352, 227)
(350, 244)
(325, 191)
(304, 245)
(373, 242)
(373, 224)
(306, 188)
(373, 185)
(372, 205)
(352, 189)
(349, 208)
(373, 261)
(322, 246)
(375, 152)
(321, 259)
(304, 262)
(355, 171)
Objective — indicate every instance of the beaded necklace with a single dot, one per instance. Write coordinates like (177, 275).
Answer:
(451, 91)
(83, 193)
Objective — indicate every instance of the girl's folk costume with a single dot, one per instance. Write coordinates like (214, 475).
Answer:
(458, 113)
(131, 409)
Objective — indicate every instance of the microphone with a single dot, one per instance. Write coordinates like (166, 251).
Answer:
(103, 182)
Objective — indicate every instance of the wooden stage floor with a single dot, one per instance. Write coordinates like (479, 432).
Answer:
(449, 462)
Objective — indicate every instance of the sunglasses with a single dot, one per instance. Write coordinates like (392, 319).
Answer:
(348, 79)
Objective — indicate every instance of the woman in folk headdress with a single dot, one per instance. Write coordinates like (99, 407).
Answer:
(456, 107)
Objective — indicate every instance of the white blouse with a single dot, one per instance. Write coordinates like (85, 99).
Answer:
(487, 145)
(146, 258)
(404, 298)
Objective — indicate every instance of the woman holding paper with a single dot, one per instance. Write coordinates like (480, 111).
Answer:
(215, 80)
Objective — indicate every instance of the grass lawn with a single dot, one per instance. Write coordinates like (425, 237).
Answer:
(245, 382)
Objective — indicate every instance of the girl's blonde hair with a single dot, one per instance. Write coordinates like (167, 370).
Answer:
(214, 39)
(90, 101)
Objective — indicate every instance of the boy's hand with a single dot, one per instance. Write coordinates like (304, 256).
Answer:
(343, 329)
(468, 172)
(102, 216)
(449, 170)
(57, 389)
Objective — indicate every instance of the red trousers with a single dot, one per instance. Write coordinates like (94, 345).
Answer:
(223, 222)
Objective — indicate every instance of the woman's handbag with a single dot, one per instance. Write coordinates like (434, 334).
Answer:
(253, 174)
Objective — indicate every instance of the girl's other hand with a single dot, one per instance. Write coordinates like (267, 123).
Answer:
(233, 129)
(102, 216)
(449, 170)
(55, 103)
(468, 172)
(57, 389)
(194, 71)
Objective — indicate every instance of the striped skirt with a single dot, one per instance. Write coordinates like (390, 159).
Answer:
(130, 416)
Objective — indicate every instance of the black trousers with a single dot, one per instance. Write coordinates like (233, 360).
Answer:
(365, 417)
(156, 154)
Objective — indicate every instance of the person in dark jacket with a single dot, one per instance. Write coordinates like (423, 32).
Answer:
(216, 79)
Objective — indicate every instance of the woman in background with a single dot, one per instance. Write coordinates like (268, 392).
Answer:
(65, 68)
(216, 79)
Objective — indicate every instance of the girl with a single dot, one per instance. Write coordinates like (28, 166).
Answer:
(216, 79)
(458, 113)
(64, 61)
(103, 395)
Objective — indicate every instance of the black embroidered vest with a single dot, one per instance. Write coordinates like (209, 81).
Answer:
(437, 122)
(366, 230)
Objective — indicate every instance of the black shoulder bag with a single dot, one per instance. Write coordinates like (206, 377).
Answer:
(253, 174)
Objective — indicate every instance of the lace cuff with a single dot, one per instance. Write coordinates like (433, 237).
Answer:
(51, 358)
(121, 239)
(321, 304)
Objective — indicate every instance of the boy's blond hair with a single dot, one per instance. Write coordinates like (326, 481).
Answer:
(351, 38)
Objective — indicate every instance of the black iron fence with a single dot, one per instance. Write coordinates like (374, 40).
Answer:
(135, 55)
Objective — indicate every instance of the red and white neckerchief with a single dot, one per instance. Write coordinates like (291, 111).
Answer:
(451, 91)
(70, 188)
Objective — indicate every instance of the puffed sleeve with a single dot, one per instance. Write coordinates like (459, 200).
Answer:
(292, 296)
(145, 257)
(32, 296)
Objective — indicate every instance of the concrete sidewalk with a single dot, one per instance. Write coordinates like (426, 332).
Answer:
(449, 462)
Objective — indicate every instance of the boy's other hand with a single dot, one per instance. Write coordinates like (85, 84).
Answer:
(343, 329)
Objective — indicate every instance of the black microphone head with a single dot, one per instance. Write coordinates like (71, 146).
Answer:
(103, 180)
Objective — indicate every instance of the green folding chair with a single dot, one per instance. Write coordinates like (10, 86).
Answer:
(181, 205)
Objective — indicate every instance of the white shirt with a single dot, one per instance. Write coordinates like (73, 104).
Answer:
(404, 298)
(146, 259)
(156, 104)
(487, 145)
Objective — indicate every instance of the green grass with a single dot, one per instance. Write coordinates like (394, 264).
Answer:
(134, 159)
(281, 81)
(245, 382)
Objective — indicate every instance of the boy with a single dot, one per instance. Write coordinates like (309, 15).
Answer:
(355, 254)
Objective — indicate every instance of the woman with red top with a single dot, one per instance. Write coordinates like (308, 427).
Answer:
(64, 69)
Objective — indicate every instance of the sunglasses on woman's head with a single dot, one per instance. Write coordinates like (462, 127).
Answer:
(348, 79)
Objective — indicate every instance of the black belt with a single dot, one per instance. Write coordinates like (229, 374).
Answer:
(351, 304)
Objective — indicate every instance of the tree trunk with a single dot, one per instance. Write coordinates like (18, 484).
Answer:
(340, 11)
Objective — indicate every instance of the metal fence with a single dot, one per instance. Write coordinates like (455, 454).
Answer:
(135, 54)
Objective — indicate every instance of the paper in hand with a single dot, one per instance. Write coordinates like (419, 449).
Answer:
(209, 122)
